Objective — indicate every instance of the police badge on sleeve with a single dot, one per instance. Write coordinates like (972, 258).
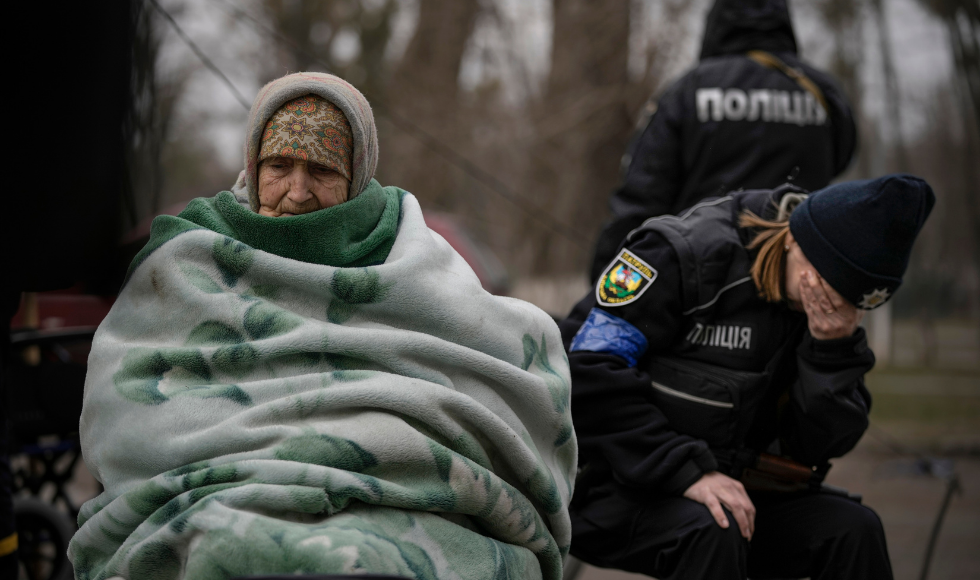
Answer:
(624, 280)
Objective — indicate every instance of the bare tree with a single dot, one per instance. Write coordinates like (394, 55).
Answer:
(424, 88)
(155, 96)
(893, 100)
(842, 17)
(583, 126)
(962, 20)
(348, 36)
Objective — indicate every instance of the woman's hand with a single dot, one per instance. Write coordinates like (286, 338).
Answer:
(717, 489)
(828, 314)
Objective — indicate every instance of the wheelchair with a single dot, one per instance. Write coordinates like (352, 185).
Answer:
(44, 403)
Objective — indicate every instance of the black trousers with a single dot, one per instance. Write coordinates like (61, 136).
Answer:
(806, 535)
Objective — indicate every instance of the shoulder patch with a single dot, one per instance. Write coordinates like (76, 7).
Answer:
(624, 280)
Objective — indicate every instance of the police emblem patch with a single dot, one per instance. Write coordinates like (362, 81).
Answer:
(624, 280)
(874, 299)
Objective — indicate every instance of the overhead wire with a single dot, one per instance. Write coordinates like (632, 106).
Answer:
(200, 54)
(433, 143)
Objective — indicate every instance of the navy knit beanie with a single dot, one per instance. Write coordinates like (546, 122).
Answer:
(859, 234)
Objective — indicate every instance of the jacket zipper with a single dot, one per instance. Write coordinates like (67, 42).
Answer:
(685, 396)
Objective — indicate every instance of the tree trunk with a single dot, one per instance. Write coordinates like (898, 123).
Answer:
(892, 90)
(585, 130)
(424, 89)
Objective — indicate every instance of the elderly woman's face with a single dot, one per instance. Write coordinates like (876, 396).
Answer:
(290, 187)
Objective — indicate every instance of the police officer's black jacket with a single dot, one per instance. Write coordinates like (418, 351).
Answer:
(721, 368)
(731, 123)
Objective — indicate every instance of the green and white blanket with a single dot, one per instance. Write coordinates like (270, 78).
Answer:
(252, 410)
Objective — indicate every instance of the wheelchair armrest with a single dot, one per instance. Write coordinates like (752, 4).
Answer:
(35, 336)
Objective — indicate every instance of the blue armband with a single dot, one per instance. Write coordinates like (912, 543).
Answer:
(603, 332)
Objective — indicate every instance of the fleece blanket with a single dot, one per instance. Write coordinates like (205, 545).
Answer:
(250, 413)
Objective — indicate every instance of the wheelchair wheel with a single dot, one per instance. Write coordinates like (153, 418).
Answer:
(43, 533)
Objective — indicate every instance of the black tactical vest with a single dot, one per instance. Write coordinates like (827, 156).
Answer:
(713, 381)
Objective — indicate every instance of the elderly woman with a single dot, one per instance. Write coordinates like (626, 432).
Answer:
(300, 377)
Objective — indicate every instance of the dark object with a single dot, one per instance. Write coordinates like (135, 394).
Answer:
(773, 473)
(51, 465)
(323, 577)
(44, 535)
(43, 403)
(750, 127)
(859, 234)
(46, 399)
(735, 26)
(943, 469)
(68, 228)
(672, 537)
(952, 486)
(8, 532)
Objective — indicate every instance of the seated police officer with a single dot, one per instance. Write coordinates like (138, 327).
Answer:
(716, 335)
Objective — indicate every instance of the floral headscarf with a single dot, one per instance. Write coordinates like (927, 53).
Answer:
(312, 129)
(339, 93)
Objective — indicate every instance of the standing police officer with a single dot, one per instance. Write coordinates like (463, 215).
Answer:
(730, 330)
(750, 114)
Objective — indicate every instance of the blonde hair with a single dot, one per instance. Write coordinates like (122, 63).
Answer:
(769, 268)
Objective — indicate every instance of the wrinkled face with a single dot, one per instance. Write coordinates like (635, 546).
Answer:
(289, 187)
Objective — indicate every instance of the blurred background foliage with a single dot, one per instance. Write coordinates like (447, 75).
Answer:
(543, 96)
